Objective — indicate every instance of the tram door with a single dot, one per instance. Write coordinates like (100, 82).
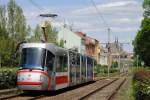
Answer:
(50, 59)
(72, 61)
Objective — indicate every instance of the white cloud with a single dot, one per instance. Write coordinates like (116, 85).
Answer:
(123, 16)
(111, 7)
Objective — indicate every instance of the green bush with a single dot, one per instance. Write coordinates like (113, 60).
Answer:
(141, 85)
(8, 77)
(104, 69)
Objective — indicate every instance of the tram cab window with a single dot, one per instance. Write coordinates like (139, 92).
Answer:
(50, 61)
(32, 58)
(61, 64)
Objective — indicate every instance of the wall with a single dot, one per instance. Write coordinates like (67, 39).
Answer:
(71, 39)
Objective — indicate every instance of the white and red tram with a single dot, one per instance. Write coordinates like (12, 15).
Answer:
(45, 66)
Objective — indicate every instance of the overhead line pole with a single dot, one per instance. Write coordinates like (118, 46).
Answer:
(109, 53)
(108, 29)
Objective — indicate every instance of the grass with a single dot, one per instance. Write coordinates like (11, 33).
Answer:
(126, 92)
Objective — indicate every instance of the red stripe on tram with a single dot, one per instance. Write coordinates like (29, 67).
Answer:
(29, 83)
(61, 79)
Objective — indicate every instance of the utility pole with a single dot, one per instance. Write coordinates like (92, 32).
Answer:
(119, 62)
(109, 54)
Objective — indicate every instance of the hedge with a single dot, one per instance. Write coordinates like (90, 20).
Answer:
(141, 85)
(8, 77)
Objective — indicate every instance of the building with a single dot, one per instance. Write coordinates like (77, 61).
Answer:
(80, 42)
(71, 40)
(92, 48)
(103, 56)
(116, 51)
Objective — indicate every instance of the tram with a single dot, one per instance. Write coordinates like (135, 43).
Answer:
(45, 66)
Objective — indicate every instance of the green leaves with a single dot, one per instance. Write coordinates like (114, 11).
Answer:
(13, 29)
(146, 6)
(17, 23)
(142, 39)
(50, 33)
(141, 84)
(8, 77)
(142, 42)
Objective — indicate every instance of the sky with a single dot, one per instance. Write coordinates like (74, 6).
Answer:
(123, 17)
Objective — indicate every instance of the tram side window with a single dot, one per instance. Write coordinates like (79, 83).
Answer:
(50, 60)
(61, 64)
(78, 60)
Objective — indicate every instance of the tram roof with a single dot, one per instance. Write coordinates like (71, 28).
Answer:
(48, 46)
(56, 50)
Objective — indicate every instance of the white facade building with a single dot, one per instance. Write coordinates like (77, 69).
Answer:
(103, 56)
(71, 40)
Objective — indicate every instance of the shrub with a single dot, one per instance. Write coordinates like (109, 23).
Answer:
(141, 85)
(8, 77)
(104, 69)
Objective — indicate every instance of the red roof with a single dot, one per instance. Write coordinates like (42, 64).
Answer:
(81, 34)
(88, 40)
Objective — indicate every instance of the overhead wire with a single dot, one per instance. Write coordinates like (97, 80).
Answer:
(43, 10)
(99, 13)
(37, 5)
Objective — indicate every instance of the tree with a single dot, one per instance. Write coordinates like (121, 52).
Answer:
(13, 29)
(37, 34)
(50, 33)
(146, 6)
(3, 30)
(142, 39)
(16, 22)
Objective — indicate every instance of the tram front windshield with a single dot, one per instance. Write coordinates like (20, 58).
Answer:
(33, 58)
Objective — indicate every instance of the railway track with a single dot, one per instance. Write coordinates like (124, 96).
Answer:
(78, 93)
(83, 92)
(105, 93)
(22, 96)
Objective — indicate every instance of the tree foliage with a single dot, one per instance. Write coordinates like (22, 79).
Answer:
(51, 33)
(146, 6)
(13, 29)
(17, 22)
(37, 34)
(142, 40)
